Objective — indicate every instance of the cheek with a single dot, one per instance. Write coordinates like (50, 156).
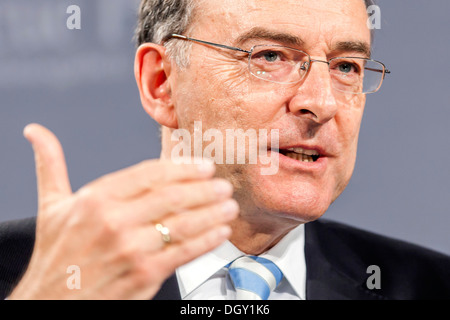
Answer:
(227, 100)
(350, 129)
(348, 125)
(348, 122)
(213, 92)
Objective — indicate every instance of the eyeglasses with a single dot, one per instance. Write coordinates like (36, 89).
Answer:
(284, 65)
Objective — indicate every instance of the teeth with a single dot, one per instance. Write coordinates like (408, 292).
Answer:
(304, 151)
(300, 157)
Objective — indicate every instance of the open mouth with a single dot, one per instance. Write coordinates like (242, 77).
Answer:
(301, 154)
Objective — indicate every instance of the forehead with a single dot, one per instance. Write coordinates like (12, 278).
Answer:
(316, 22)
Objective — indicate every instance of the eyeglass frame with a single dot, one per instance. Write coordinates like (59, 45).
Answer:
(223, 46)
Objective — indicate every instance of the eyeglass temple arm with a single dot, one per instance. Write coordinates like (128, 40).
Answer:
(378, 70)
(386, 71)
(209, 43)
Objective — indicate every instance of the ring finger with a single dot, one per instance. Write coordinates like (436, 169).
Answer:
(188, 224)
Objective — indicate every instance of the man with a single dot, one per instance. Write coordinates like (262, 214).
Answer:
(300, 68)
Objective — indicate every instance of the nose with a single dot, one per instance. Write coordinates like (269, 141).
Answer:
(314, 98)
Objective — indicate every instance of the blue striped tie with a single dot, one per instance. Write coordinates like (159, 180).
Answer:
(254, 277)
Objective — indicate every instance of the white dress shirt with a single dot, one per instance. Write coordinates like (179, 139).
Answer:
(207, 278)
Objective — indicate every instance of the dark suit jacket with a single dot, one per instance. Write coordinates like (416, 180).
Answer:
(337, 258)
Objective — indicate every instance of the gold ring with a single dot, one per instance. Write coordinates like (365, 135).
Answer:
(165, 233)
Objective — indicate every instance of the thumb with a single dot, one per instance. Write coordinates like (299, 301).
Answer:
(52, 178)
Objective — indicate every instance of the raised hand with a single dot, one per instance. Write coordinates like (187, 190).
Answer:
(107, 228)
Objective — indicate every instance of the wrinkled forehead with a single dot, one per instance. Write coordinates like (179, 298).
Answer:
(318, 22)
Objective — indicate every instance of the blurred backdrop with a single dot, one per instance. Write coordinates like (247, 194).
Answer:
(80, 84)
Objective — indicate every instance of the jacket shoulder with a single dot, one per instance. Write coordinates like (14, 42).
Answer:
(16, 246)
(407, 271)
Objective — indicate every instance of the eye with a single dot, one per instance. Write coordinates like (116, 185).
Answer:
(271, 56)
(346, 67)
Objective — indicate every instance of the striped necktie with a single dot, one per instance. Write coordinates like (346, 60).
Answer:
(254, 277)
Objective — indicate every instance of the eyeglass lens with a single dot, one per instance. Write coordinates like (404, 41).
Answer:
(286, 65)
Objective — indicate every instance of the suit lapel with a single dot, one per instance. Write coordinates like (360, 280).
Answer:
(169, 290)
(16, 246)
(334, 271)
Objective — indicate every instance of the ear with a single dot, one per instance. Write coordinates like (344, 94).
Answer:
(152, 70)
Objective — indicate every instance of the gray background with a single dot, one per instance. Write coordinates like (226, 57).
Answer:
(80, 84)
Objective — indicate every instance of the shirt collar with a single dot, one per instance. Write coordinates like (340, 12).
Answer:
(288, 254)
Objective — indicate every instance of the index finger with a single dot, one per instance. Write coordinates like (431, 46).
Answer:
(150, 175)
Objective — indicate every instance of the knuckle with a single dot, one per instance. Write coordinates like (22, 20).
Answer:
(180, 230)
(189, 251)
(128, 254)
(209, 189)
(142, 274)
(84, 208)
(127, 251)
(89, 199)
(203, 192)
(92, 210)
(110, 228)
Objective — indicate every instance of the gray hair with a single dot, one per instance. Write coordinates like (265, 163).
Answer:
(158, 19)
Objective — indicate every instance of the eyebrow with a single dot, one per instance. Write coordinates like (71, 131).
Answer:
(353, 46)
(289, 39)
(266, 34)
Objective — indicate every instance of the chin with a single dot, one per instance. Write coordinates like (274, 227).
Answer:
(299, 207)
(292, 199)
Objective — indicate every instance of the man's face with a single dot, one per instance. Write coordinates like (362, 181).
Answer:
(218, 90)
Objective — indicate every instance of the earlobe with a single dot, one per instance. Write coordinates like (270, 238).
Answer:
(152, 71)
